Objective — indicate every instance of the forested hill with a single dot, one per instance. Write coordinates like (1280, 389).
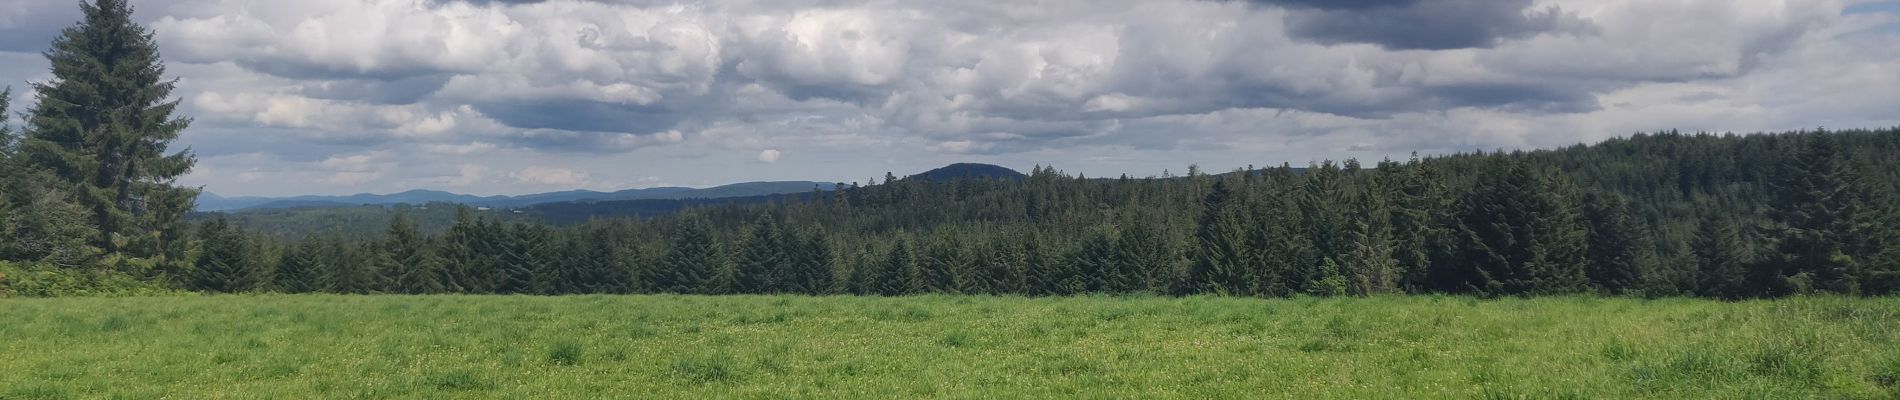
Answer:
(969, 171)
(1655, 214)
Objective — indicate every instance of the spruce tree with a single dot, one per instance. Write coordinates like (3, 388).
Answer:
(1519, 235)
(1369, 267)
(1618, 251)
(1875, 229)
(599, 265)
(867, 269)
(527, 260)
(1328, 280)
(1144, 257)
(223, 265)
(405, 261)
(1318, 199)
(1220, 245)
(900, 275)
(463, 257)
(1418, 220)
(979, 274)
(8, 171)
(1092, 266)
(352, 266)
(760, 258)
(944, 264)
(1266, 269)
(564, 274)
(102, 126)
(1036, 264)
(1721, 259)
(811, 265)
(1812, 212)
(7, 140)
(302, 268)
(1007, 266)
(692, 263)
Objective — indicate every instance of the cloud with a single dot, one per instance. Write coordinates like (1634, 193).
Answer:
(353, 169)
(550, 176)
(768, 156)
(466, 174)
(391, 95)
(1428, 24)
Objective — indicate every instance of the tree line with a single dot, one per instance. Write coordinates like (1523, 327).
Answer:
(1802, 212)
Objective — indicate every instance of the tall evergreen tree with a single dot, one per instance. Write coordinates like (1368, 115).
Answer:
(760, 257)
(900, 275)
(1144, 257)
(352, 266)
(1265, 267)
(8, 171)
(598, 265)
(223, 263)
(527, 260)
(302, 268)
(8, 174)
(1006, 264)
(1417, 212)
(7, 140)
(1722, 259)
(1093, 266)
(1369, 266)
(692, 263)
(1220, 245)
(944, 265)
(1813, 211)
(1618, 253)
(811, 268)
(1874, 230)
(1318, 199)
(405, 260)
(102, 126)
(1518, 234)
(467, 258)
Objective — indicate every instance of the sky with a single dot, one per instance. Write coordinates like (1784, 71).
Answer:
(511, 96)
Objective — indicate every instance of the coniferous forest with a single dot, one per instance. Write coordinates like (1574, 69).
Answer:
(1664, 214)
(90, 201)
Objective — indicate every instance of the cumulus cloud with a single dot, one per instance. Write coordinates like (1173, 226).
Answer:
(551, 176)
(386, 95)
(355, 169)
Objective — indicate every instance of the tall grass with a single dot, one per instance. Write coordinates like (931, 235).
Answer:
(279, 346)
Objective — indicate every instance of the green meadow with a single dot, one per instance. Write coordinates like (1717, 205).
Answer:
(301, 346)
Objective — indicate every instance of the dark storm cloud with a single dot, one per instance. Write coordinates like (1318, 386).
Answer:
(1338, 4)
(1424, 24)
(581, 115)
(1511, 97)
(1523, 98)
(303, 69)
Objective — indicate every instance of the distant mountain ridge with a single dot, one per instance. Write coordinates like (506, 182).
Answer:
(213, 202)
(764, 190)
(969, 171)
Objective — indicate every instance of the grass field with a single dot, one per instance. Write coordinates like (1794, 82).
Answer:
(282, 346)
